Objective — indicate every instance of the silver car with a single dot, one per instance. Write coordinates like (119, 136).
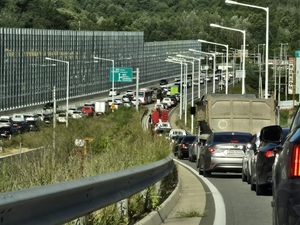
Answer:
(248, 157)
(223, 152)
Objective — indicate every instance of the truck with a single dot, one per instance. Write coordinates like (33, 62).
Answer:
(159, 119)
(101, 107)
(234, 112)
(174, 89)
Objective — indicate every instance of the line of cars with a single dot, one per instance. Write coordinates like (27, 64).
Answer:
(18, 124)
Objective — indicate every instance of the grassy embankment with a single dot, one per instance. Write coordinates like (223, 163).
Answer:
(117, 142)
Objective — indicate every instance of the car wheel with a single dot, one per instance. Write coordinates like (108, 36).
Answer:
(206, 173)
(192, 159)
(248, 178)
(244, 178)
(252, 185)
(261, 189)
(197, 163)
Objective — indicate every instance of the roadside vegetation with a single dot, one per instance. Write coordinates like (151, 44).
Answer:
(114, 142)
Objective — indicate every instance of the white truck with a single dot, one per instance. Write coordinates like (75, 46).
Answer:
(101, 107)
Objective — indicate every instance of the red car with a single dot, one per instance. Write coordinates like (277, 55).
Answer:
(88, 111)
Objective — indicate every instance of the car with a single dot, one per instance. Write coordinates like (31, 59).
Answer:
(193, 150)
(285, 201)
(183, 147)
(18, 117)
(163, 82)
(176, 132)
(49, 105)
(33, 124)
(163, 126)
(127, 98)
(114, 92)
(168, 101)
(5, 120)
(21, 126)
(223, 152)
(248, 157)
(129, 92)
(78, 114)
(7, 131)
(176, 143)
(31, 116)
(61, 117)
(261, 165)
(173, 101)
(71, 110)
(207, 79)
(88, 111)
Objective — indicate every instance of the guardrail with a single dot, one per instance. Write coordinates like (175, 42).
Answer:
(63, 202)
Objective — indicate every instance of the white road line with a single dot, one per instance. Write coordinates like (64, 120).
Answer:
(220, 209)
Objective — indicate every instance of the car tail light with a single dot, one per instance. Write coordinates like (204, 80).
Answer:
(234, 141)
(211, 150)
(295, 162)
(269, 153)
(183, 146)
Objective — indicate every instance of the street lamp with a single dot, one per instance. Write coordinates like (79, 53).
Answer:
(174, 59)
(181, 63)
(113, 77)
(267, 39)
(226, 46)
(214, 55)
(186, 86)
(260, 78)
(244, 51)
(68, 80)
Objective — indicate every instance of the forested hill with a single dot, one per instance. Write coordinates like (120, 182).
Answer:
(162, 20)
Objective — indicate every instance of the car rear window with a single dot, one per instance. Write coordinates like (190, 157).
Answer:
(232, 138)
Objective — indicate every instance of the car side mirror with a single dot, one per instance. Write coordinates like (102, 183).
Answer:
(271, 134)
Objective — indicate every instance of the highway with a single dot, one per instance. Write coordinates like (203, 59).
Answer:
(242, 205)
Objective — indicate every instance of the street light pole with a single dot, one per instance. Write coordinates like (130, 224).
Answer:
(214, 55)
(260, 78)
(267, 39)
(244, 51)
(181, 63)
(113, 77)
(68, 81)
(186, 86)
(226, 46)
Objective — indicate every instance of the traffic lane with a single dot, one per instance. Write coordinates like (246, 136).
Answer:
(242, 205)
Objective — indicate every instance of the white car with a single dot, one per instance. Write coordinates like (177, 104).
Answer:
(113, 92)
(168, 101)
(163, 126)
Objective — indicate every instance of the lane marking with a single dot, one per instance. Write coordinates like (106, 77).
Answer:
(220, 209)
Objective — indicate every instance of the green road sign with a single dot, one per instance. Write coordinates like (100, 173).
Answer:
(120, 74)
(297, 53)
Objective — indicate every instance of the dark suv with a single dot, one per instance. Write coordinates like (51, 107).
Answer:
(285, 172)
(183, 147)
(21, 126)
(7, 131)
(163, 82)
(49, 105)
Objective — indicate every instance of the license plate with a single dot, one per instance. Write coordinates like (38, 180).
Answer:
(233, 151)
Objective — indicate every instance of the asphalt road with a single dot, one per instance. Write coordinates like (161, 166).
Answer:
(242, 205)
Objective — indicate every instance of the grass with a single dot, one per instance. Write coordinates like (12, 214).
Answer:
(117, 141)
(190, 213)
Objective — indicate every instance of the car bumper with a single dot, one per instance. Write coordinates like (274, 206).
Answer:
(225, 164)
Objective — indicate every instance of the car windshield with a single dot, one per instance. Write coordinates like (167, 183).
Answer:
(229, 138)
